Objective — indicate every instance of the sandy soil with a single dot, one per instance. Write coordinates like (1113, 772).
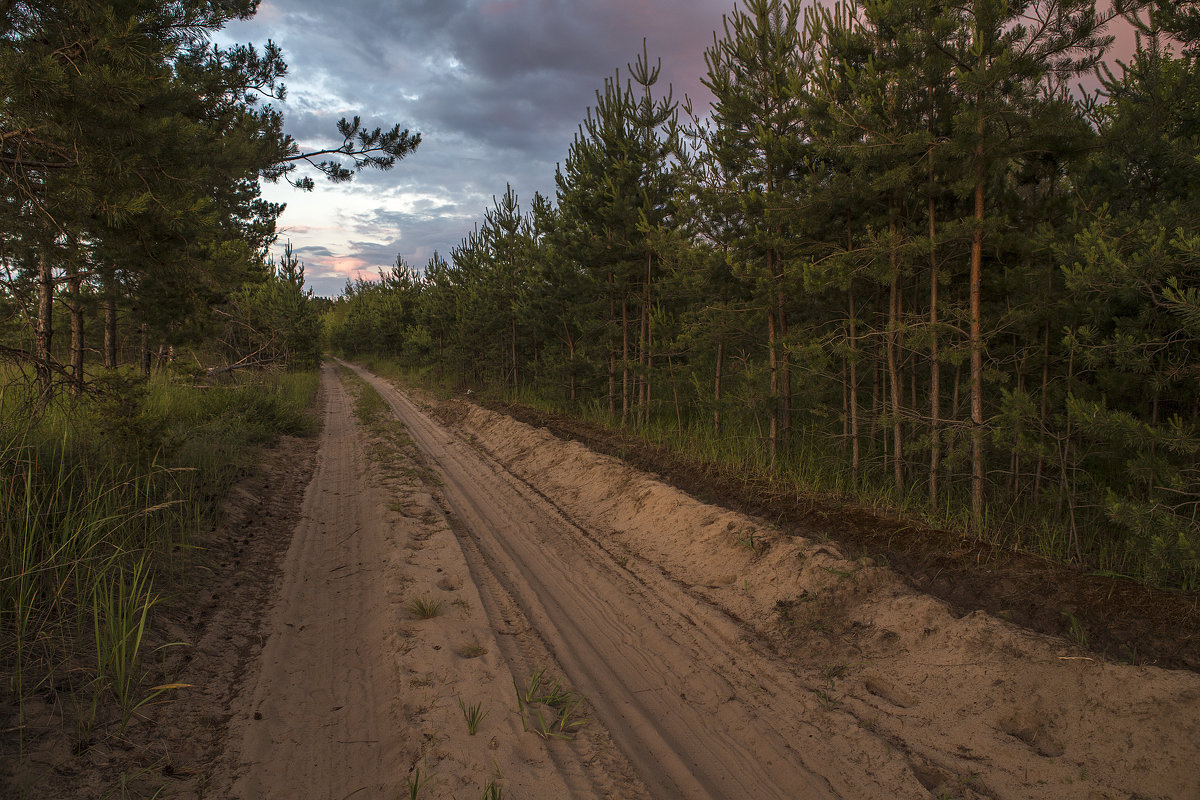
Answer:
(716, 656)
(727, 661)
(356, 697)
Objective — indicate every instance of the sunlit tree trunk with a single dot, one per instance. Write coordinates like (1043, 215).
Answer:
(893, 345)
(976, 340)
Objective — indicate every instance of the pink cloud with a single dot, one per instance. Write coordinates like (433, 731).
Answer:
(500, 6)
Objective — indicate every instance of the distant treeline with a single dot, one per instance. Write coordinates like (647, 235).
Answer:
(902, 254)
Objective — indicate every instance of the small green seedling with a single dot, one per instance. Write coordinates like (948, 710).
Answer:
(563, 721)
(473, 714)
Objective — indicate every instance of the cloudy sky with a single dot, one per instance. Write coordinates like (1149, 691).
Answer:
(496, 88)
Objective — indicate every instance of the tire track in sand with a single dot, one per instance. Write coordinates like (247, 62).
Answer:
(668, 676)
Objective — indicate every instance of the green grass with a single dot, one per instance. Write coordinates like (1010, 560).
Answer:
(374, 414)
(816, 465)
(424, 607)
(548, 708)
(415, 782)
(442, 384)
(473, 714)
(100, 499)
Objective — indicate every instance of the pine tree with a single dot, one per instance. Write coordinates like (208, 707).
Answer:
(614, 196)
(130, 155)
(1004, 56)
(756, 73)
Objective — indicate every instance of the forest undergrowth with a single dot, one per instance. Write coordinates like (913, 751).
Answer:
(101, 499)
(808, 469)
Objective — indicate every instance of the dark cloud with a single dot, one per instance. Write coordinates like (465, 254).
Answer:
(497, 89)
(311, 251)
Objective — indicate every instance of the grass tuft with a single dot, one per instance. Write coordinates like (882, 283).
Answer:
(415, 782)
(473, 714)
(472, 650)
(559, 716)
(424, 607)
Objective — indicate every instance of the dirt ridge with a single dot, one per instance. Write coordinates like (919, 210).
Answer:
(1107, 615)
(978, 706)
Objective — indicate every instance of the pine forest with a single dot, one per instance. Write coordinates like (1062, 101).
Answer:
(833, 434)
(905, 257)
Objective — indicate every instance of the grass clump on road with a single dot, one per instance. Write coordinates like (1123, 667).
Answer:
(416, 782)
(473, 714)
(424, 607)
(559, 717)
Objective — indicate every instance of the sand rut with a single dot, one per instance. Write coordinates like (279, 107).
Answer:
(718, 657)
(670, 677)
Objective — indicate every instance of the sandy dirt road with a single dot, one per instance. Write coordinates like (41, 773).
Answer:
(697, 714)
(716, 659)
(326, 683)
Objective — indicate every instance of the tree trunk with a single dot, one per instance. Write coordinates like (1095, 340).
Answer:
(894, 369)
(649, 364)
(1068, 481)
(954, 398)
(854, 443)
(876, 391)
(570, 339)
(645, 355)
(74, 287)
(44, 328)
(785, 365)
(976, 293)
(845, 406)
(675, 393)
(110, 330)
(1042, 412)
(144, 341)
(612, 354)
(624, 361)
(935, 367)
(773, 364)
(717, 387)
(1019, 357)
